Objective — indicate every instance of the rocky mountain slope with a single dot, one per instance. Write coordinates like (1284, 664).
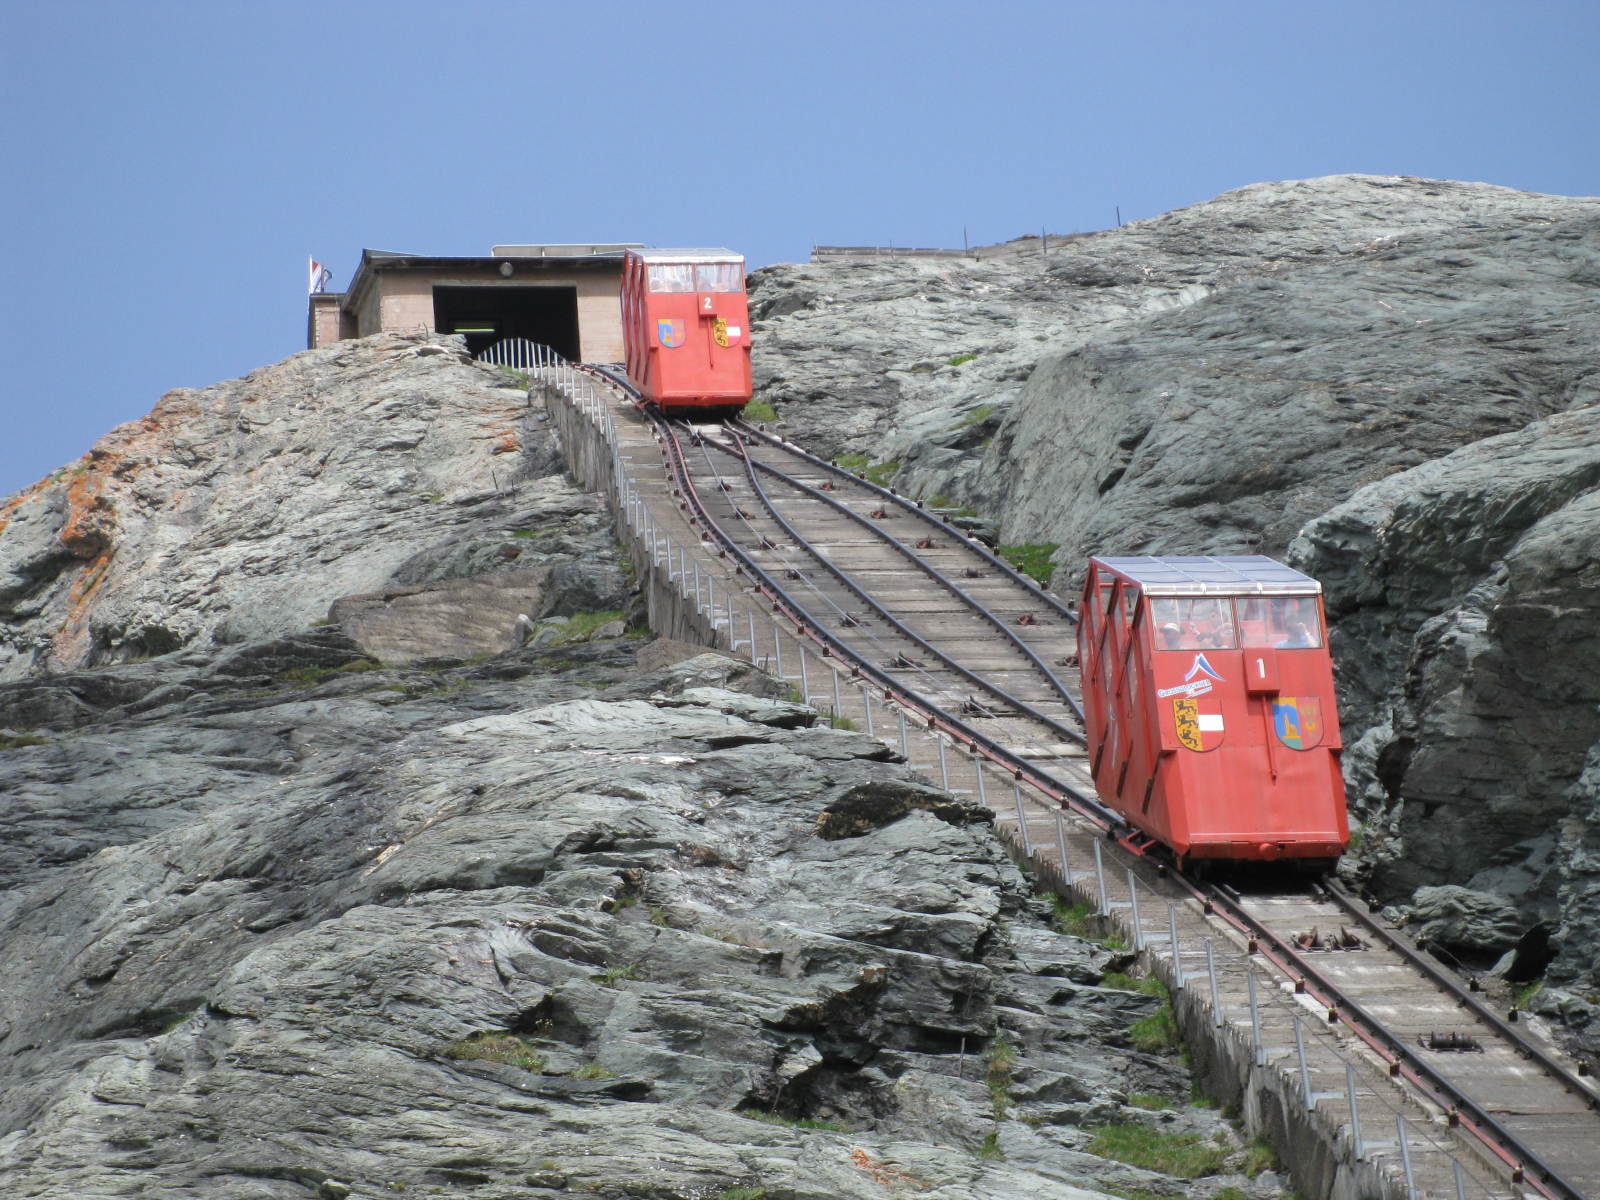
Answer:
(1393, 381)
(245, 509)
(559, 923)
(320, 881)
(324, 880)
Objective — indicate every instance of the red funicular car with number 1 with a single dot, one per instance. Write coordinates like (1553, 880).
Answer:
(1209, 703)
(686, 330)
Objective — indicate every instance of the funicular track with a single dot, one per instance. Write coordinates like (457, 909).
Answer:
(907, 605)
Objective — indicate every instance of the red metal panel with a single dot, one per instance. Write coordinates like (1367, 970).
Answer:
(1217, 737)
(685, 350)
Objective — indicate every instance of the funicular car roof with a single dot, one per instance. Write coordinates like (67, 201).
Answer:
(1208, 575)
(706, 254)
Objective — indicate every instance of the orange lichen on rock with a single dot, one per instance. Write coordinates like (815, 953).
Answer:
(507, 443)
(90, 516)
(71, 642)
(883, 1174)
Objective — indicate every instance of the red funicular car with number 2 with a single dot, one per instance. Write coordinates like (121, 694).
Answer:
(686, 330)
(1209, 703)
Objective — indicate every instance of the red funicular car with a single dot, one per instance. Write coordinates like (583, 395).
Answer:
(1208, 693)
(686, 330)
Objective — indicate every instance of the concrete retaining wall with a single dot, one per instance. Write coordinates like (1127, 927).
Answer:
(592, 463)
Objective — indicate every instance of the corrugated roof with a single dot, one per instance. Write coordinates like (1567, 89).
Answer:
(1177, 575)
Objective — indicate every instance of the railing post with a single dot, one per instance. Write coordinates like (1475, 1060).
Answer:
(1355, 1112)
(944, 769)
(1405, 1155)
(1022, 821)
(1100, 880)
(1258, 1051)
(1061, 844)
(866, 707)
(1216, 998)
(1133, 912)
(1305, 1071)
(1175, 947)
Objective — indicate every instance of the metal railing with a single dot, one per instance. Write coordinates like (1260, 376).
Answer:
(520, 354)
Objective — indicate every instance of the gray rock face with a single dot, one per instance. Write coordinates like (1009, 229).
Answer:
(245, 509)
(1394, 376)
(529, 927)
(1207, 380)
(1467, 599)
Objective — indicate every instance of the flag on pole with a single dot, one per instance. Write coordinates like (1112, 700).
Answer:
(318, 277)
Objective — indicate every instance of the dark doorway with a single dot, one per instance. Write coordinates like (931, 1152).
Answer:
(485, 315)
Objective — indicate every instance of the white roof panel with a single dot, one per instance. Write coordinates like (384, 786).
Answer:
(708, 254)
(1198, 575)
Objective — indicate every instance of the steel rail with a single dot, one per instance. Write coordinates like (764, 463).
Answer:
(928, 569)
(1443, 978)
(917, 510)
(900, 627)
(794, 571)
(1525, 1164)
(935, 717)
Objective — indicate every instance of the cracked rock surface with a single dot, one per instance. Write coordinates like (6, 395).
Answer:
(1391, 382)
(546, 925)
(391, 473)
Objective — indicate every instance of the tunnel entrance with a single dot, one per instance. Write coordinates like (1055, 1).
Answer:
(485, 315)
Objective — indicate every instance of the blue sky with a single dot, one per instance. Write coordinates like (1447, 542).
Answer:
(171, 165)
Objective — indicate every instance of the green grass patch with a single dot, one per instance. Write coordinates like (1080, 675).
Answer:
(772, 1118)
(520, 378)
(760, 410)
(593, 1071)
(1150, 1101)
(990, 1149)
(841, 722)
(1147, 985)
(959, 359)
(580, 625)
(505, 1048)
(1259, 1156)
(11, 741)
(1185, 1155)
(1156, 1033)
(977, 416)
(999, 1060)
(306, 676)
(949, 507)
(878, 473)
(1070, 918)
(612, 975)
(742, 1193)
(1032, 559)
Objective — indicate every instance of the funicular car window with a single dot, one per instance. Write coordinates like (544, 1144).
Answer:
(718, 277)
(1280, 622)
(1193, 623)
(672, 277)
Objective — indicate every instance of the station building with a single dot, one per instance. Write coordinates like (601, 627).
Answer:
(565, 296)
